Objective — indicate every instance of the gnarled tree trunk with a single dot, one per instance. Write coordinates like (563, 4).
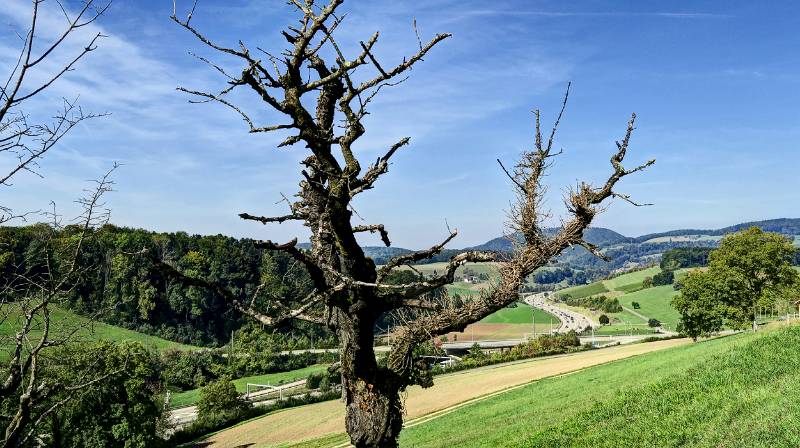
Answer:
(350, 292)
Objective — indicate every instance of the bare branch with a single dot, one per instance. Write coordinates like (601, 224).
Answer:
(265, 220)
(414, 256)
(375, 228)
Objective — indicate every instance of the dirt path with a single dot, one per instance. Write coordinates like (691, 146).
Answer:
(636, 313)
(326, 418)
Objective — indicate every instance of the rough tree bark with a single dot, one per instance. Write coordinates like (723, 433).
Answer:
(350, 291)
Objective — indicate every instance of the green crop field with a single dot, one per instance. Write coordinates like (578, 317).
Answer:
(712, 393)
(87, 330)
(191, 397)
(521, 314)
(584, 290)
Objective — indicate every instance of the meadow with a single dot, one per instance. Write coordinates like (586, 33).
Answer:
(87, 330)
(711, 393)
(655, 303)
(582, 291)
(520, 314)
(630, 280)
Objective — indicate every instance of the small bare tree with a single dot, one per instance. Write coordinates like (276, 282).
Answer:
(28, 297)
(350, 291)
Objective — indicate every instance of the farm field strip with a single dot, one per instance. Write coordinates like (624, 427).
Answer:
(327, 418)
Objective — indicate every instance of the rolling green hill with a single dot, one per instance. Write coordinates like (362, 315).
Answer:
(654, 303)
(634, 279)
(582, 291)
(732, 391)
(87, 330)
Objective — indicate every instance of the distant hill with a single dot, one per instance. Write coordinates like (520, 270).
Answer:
(784, 226)
(595, 235)
(623, 250)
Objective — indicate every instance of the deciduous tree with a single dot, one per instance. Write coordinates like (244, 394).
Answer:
(323, 96)
(747, 271)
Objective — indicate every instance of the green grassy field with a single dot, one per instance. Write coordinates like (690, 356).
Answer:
(584, 290)
(654, 303)
(190, 397)
(630, 280)
(521, 314)
(621, 404)
(87, 331)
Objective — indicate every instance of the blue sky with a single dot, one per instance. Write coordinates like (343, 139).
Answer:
(716, 86)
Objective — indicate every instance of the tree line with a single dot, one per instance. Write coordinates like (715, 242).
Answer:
(124, 288)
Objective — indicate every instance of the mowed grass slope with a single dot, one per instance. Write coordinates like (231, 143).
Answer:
(597, 397)
(63, 321)
(746, 397)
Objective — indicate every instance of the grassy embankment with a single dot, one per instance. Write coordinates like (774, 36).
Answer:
(190, 397)
(63, 321)
(736, 391)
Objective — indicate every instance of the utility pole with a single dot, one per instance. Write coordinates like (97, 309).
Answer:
(230, 348)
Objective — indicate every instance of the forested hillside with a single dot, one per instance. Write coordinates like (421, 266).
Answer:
(120, 285)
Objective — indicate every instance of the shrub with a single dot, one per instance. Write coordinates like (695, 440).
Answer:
(603, 319)
(313, 380)
(653, 323)
(635, 305)
(220, 401)
(647, 282)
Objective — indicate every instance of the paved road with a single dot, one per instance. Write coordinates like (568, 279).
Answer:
(377, 348)
(570, 320)
(184, 416)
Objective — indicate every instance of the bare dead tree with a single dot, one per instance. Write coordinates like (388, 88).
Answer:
(350, 291)
(27, 299)
(24, 140)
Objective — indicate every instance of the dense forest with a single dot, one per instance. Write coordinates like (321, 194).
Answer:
(120, 285)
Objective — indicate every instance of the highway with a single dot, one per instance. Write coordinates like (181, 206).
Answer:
(183, 416)
(570, 320)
